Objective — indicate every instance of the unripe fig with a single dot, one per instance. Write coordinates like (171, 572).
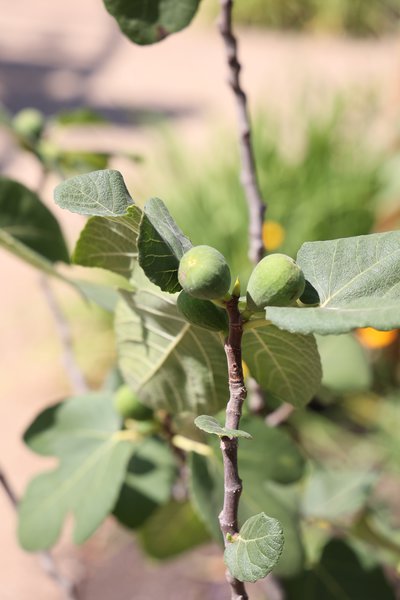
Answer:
(310, 295)
(29, 123)
(276, 281)
(128, 405)
(204, 273)
(202, 312)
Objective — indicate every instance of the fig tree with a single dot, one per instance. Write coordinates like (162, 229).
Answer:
(128, 405)
(202, 312)
(204, 273)
(276, 281)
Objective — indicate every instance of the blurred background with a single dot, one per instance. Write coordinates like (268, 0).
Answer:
(323, 79)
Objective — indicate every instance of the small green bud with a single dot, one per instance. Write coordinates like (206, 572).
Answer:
(29, 124)
(128, 405)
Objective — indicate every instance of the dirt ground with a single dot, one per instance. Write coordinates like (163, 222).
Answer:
(57, 55)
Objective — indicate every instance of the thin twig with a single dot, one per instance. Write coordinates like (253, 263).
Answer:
(74, 372)
(280, 415)
(228, 518)
(46, 559)
(255, 202)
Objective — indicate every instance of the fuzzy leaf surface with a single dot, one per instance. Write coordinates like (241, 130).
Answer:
(100, 193)
(358, 282)
(161, 246)
(170, 363)
(211, 425)
(256, 549)
(24, 218)
(83, 433)
(285, 365)
(110, 242)
(150, 21)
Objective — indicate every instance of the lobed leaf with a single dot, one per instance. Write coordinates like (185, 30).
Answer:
(285, 365)
(256, 549)
(161, 245)
(150, 21)
(100, 193)
(211, 425)
(357, 280)
(83, 432)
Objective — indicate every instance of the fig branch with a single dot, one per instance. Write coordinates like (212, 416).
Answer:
(249, 181)
(228, 518)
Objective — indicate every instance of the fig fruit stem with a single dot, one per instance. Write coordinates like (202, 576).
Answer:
(255, 202)
(228, 518)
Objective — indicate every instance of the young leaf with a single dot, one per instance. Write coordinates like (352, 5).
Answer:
(357, 280)
(285, 365)
(100, 193)
(258, 468)
(161, 246)
(339, 576)
(83, 432)
(170, 363)
(256, 549)
(148, 483)
(110, 242)
(150, 21)
(27, 220)
(173, 529)
(211, 425)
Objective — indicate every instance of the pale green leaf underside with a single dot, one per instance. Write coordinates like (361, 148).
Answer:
(110, 242)
(100, 193)
(256, 549)
(150, 21)
(285, 365)
(211, 425)
(170, 363)
(83, 434)
(161, 246)
(358, 282)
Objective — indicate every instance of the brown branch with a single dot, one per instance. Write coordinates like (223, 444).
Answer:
(255, 202)
(280, 415)
(64, 331)
(47, 561)
(228, 518)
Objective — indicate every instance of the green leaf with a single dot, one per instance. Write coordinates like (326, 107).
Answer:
(339, 576)
(100, 193)
(358, 282)
(285, 365)
(110, 242)
(345, 364)
(254, 552)
(150, 21)
(170, 363)
(161, 245)
(332, 495)
(148, 483)
(257, 468)
(211, 425)
(173, 529)
(83, 432)
(27, 220)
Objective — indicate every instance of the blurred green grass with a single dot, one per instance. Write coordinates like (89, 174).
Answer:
(353, 17)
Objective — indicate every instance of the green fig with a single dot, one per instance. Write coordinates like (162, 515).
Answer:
(276, 281)
(128, 405)
(204, 273)
(29, 124)
(202, 312)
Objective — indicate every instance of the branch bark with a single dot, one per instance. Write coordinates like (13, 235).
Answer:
(228, 518)
(255, 202)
